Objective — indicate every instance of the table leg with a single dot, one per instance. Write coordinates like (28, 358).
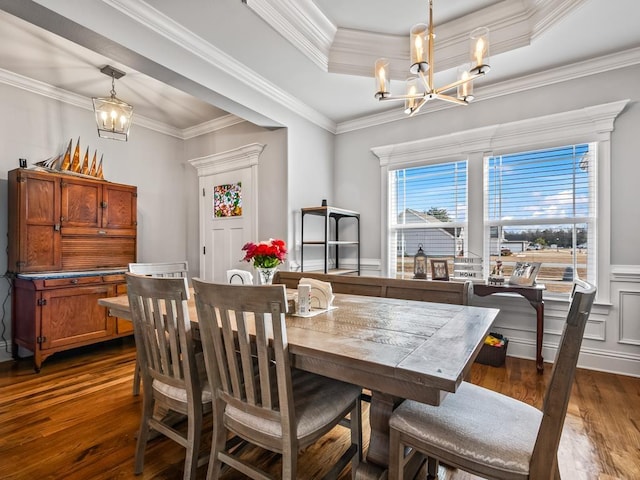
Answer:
(377, 460)
(539, 306)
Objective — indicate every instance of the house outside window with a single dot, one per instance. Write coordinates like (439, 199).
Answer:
(429, 205)
(584, 234)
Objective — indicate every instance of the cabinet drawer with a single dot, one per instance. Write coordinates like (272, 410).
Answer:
(124, 326)
(71, 281)
(118, 277)
(103, 232)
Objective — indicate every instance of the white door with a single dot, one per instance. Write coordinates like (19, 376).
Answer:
(226, 225)
(224, 236)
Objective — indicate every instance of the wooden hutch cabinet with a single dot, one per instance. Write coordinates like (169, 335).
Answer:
(71, 239)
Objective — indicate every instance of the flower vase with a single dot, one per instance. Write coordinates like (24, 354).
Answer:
(265, 275)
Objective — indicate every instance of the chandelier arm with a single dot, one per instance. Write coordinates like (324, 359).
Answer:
(423, 67)
(428, 86)
(417, 108)
(448, 98)
(401, 97)
(457, 83)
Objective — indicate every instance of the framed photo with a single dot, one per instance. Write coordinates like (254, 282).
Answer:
(439, 269)
(524, 274)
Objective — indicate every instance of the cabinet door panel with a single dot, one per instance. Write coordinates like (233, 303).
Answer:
(81, 203)
(34, 200)
(120, 209)
(73, 316)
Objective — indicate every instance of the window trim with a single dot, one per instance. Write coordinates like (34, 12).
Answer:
(585, 125)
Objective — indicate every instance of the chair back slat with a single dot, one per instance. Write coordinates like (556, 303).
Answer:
(243, 335)
(556, 400)
(248, 372)
(161, 269)
(162, 328)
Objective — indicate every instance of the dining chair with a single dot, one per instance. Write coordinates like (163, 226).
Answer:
(258, 396)
(167, 356)
(162, 269)
(238, 276)
(489, 434)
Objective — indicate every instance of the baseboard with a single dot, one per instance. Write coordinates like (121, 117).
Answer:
(590, 359)
(5, 352)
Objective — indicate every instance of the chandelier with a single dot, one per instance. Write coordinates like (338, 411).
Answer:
(420, 88)
(113, 116)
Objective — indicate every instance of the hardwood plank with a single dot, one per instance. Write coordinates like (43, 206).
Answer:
(77, 419)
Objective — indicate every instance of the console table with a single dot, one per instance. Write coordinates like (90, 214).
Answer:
(534, 295)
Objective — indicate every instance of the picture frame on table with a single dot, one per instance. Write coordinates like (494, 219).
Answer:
(439, 269)
(524, 274)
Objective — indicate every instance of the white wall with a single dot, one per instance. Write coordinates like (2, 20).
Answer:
(272, 180)
(35, 127)
(613, 334)
(295, 171)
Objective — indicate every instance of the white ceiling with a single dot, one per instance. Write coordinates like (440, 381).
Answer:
(315, 54)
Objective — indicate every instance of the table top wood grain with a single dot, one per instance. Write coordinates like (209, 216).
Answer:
(409, 349)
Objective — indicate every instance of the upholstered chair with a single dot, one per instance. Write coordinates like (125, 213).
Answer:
(258, 396)
(492, 435)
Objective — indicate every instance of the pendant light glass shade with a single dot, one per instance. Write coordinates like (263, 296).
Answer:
(113, 116)
(422, 88)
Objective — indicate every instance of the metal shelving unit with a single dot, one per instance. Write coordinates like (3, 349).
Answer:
(329, 214)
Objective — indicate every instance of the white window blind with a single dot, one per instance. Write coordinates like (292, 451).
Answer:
(540, 206)
(428, 208)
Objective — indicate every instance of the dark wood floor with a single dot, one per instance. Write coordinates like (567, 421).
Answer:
(77, 420)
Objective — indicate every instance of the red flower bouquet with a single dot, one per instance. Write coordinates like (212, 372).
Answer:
(267, 254)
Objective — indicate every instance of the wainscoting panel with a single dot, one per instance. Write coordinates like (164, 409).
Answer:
(629, 317)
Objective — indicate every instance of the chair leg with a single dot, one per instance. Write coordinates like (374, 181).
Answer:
(194, 431)
(136, 379)
(355, 421)
(143, 433)
(290, 463)
(396, 456)
(218, 443)
(432, 468)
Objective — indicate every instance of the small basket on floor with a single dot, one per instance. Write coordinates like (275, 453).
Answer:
(493, 355)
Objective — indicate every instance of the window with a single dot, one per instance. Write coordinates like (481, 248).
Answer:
(540, 207)
(508, 225)
(428, 210)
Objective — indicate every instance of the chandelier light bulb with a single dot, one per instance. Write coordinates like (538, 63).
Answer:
(421, 45)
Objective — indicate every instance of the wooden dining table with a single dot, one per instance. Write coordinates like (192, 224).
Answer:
(397, 349)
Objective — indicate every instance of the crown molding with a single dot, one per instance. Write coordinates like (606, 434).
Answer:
(509, 22)
(574, 71)
(340, 50)
(232, 160)
(211, 126)
(588, 122)
(152, 19)
(546, 13)
(302, 23)
(45, 90)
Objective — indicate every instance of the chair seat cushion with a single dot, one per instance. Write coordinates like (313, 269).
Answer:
(180, 394)
(475, 424)
(318, 401)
